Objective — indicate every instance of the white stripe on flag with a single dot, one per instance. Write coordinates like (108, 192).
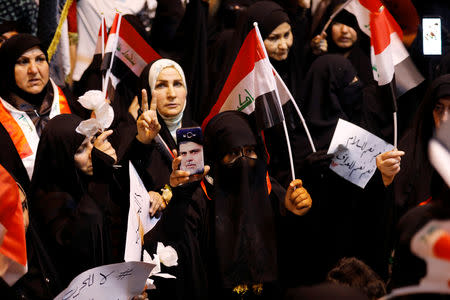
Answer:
(362, 14)
(254, 84)
(383, 63)
(10, 270)
(130, 57)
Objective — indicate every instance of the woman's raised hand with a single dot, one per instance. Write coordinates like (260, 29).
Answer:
(102, 144)
(147, 123)
(179, 177)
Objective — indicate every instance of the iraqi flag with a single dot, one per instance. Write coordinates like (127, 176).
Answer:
(13, 252)
(102, 39)
(388, 54)
(126, 52)
(253, 86)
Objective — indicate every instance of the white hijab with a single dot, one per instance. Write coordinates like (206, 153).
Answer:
(172, 123)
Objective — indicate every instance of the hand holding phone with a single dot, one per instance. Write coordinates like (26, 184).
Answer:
(190, 148)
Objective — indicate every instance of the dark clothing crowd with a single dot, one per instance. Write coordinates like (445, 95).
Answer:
(243, 227)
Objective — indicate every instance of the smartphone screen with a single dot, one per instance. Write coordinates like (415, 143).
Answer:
(432, 41)
(190, 147)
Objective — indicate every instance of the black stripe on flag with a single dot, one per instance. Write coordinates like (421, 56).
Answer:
(267, 110)
(121, 70)
(106, 61)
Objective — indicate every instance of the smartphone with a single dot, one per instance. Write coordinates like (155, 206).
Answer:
(190, 148)
(431, 36)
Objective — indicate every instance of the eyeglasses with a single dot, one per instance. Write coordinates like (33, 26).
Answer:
(245, 151)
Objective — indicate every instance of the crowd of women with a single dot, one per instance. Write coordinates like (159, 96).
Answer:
(243, 229)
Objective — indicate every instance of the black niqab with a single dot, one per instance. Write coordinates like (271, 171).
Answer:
(328, 96)
(244, 229)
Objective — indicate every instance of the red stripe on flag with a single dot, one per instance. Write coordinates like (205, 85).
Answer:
(382, 25)
(372, 5)
(251, 52)
(11, 217)
(105, 32)
(134, 39)
(115, 24)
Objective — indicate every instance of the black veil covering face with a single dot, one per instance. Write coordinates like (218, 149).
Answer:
(244, 230)
(412, 184)
(329, 94)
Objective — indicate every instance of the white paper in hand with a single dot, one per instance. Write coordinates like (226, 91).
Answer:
(117, 281)
(355, 151)
(139, 221)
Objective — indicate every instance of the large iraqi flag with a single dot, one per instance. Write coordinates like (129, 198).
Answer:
(13, 252)
(388, 54)
(253, 86)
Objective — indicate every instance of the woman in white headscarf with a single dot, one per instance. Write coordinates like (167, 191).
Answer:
(165, 84)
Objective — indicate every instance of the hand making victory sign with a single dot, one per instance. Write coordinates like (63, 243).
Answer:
(147, 123)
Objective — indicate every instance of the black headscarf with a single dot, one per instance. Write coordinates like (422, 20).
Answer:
(75, 211)
(10, 51)
(359, 54)
(243, 221)
(55, 165)
(348, 19)
(328, 96)
(41, 103)
(413, 183)
(269, 16)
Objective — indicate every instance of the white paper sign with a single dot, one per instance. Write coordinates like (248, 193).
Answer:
(139, 221)
(355, 151)
(117, 281)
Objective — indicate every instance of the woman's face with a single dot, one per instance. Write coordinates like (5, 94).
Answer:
(31, 71)
(279, 42)
(170, 92)
(344, 36)
(82, 157)
(441, 111)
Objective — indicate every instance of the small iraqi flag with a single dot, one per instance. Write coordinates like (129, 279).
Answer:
(13, 251)
(102, 38)
(128, 51)
(388, 54)
(253, 86)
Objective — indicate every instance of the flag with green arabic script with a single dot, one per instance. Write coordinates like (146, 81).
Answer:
(253, 86)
